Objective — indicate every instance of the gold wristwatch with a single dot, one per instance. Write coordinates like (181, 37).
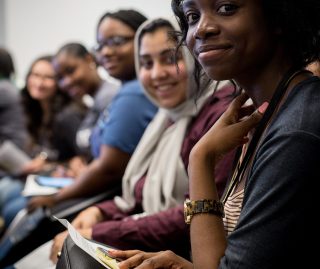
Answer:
(202, 206)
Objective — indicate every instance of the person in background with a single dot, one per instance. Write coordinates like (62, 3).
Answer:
(55, 114)
(78, 76)
(53, 104)
(264, 46)
(122, 124)
(12, 128)
(119, 128)
(42, 101)
(11, 115)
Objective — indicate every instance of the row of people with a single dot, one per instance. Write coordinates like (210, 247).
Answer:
(280, 86)
(149, 214)
(269, 198)
(265, 47)
(121, 124)
(155, 182)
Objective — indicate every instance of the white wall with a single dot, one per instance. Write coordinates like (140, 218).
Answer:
(2, 22)
(36, 27)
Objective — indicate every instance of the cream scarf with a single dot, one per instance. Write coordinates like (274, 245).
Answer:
(158, 155)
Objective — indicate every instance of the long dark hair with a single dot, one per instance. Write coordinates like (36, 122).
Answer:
(33, 110)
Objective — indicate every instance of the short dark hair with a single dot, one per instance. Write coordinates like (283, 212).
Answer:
(6, 64)
(75, 49)
(130, 17)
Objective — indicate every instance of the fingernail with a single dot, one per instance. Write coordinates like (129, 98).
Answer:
(263, 107)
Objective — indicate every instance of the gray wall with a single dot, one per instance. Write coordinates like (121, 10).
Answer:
(36, 27)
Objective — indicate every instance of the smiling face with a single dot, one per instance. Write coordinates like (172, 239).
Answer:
(75, 75)
(41, 82)
(230, 39)
(116, 49)
(158, 71)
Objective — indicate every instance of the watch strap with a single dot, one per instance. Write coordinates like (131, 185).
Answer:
(209, 206)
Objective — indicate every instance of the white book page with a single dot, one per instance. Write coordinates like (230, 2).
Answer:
(32, 188)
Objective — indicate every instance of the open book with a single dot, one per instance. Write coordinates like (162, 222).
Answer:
(95, 250)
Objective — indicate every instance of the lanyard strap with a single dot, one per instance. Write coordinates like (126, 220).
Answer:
(274, 103)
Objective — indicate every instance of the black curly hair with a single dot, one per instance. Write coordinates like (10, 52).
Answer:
(298, 20)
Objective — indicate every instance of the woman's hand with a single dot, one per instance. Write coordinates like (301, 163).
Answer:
(34, 166)
(76, 166)
(41, 201)
(230, 131)
(62, 171)
(149, 260)
(57, 246)
(72, 169)
(87, 218)
(59, 240)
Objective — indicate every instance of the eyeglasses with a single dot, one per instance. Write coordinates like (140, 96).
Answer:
(42, 77)
(112, 42)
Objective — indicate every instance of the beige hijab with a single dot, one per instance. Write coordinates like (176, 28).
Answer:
(158, 153)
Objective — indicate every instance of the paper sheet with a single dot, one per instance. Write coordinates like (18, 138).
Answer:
(86, 245)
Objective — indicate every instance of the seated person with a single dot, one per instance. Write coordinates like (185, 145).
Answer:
(120, 126)
(13, 133)
(150, 212)
(78, 76)
(52, 117)
(12, 124)
(118, 129)
(42, 101)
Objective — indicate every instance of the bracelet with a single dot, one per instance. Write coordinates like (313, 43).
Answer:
(208, 206)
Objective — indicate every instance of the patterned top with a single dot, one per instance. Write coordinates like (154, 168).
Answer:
(232, 209)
